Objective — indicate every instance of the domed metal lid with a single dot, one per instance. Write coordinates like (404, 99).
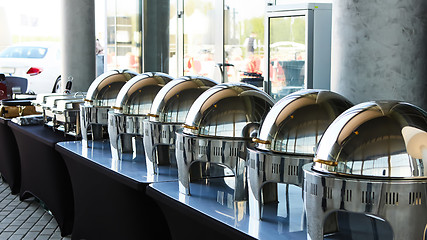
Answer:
(173, 101)
(136, 96)
(104, 89)
(227, 110)
(296, 123)
(368, 141)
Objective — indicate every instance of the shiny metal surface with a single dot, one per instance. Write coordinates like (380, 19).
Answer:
(400, 203)
(287, 140)
(104, 89)
(167, 114)
(218, 128)
(370, 161)
(133, 103)
(296, 123)
(41, 100)
(61, 111)
(367, 141)
(226, 109)
(101, 96)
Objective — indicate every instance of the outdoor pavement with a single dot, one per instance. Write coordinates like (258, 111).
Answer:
(25, 219)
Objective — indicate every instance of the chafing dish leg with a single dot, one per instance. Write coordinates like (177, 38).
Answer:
(97, 132)
(125, 143)
(183, 153)
(240, 189)
(113, 134)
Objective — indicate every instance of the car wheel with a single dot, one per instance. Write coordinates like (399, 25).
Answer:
(57, 85)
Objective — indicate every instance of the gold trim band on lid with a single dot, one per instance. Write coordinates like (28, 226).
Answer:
(87, 100)
(152, 115)
(330, 163)
(257, 140)
(116, 108)
(190, 127)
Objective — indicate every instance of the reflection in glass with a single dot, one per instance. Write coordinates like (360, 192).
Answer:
(287, 55)
(199, 37)
(123, 35)
(244, 40)
(173, 27)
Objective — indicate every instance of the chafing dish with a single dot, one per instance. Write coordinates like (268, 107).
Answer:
(131, 108)
(370, 161)
(167, 114)
(287, 140)
(61, 111)
(100, 97)
(41, 99)
(217, 130)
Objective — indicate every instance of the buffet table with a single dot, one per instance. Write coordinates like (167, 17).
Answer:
(109, 195)
(211, 213)
(10, 167)
(43, 171)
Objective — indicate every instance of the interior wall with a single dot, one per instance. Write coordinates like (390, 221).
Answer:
(379, 50)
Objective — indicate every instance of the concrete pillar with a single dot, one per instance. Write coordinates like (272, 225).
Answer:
(155, 32)
(379, 50)
(78, 44)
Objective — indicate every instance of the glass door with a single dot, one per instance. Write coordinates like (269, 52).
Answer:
(287, 53)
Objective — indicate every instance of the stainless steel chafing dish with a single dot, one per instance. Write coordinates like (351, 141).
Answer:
(287, 140)
(100, 97)
(167, 114)
(132, 106)
(370, 161)
(61, 111)
(217, 130)
(41, 100)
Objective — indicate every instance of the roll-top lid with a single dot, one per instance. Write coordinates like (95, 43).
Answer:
(296, 122)
(173, 101)
(228, 110)
(136, 96)
(372, 139)
(104, 89)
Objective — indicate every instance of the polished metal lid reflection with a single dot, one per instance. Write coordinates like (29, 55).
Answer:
(173, 101)
(368, 140)
(104, 89)
(136, 96)
(296, 123)
(228, 110)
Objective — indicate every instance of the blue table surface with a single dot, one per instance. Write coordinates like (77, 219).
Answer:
(214, 198)
(132, 167)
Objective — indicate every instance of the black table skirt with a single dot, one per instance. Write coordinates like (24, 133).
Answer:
(108, 205)
(188, 223)
(43, 172)
(10, 167)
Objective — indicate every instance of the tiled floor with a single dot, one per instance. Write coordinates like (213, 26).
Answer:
(25, 219)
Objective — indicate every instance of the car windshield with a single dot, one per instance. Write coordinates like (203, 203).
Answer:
(23, 52)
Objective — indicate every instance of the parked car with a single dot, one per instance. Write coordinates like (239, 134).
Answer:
(39, 62)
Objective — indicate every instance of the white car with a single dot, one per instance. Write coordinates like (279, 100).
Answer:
(39, 62)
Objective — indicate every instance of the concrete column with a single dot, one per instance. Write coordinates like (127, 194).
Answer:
(379, 50)
(78, 44)
(155, 32)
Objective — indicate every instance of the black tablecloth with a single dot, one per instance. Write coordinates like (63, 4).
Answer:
(43, 172)
(10, 167)
(109, 205)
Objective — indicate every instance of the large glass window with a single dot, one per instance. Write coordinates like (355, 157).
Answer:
(173, 39)
(287, 51)
(200, 34)
(244, 40)
(124, 35)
